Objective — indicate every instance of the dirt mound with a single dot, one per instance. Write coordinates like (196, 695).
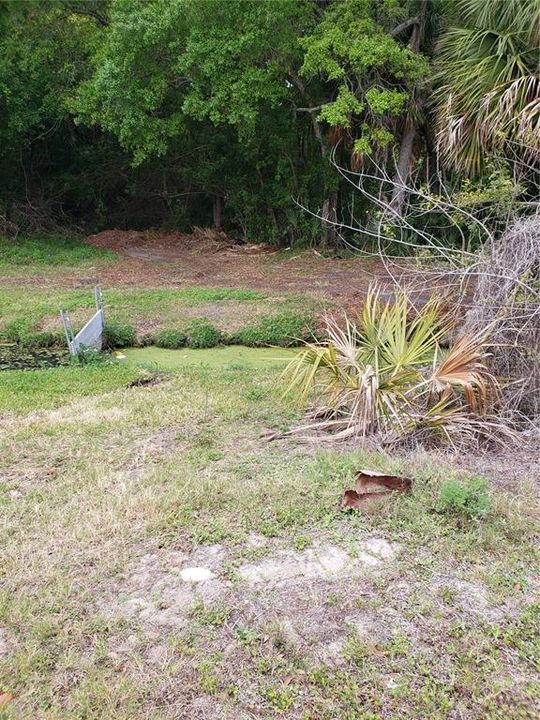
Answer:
(171, 246)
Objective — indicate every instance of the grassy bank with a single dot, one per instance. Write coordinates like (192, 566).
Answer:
(193, 317)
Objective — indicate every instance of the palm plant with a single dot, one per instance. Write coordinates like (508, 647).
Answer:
(385, 372)
(490, 95)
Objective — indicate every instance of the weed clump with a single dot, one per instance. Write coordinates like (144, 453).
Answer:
(202, 334)
(170, 339)
(119, 335)
(40, 339)
(284, 330)
(199, 333)
(469, 499)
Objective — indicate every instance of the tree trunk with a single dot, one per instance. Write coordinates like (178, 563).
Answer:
(329, 217)
(216, 211)
(401, 175)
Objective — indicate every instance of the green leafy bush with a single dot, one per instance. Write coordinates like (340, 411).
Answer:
(20, 331)
(284, 330)
(202, 334)
(16, 329)
(470, 498)
(119, 335)
(170, 339)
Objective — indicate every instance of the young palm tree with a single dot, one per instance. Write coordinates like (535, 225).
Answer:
(490, 69)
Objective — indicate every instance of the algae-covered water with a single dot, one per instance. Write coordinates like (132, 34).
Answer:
(227, 356)
(13, 357)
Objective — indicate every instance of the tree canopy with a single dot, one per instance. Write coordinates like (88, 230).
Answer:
(182, 112)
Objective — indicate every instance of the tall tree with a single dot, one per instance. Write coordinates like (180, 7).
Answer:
(368, 56)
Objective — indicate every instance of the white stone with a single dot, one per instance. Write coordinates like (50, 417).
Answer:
(196, 574)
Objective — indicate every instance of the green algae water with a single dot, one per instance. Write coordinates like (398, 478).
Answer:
(227, 356)
(14, 357)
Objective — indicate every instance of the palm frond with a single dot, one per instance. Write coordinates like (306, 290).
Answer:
(490, 87)
(464, 369)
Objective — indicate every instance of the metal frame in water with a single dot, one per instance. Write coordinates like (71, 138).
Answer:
(91, 335)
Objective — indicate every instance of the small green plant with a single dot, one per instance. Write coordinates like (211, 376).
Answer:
(170, 339)
(246, 636)
(217, 615)
(281, 698)
(16, 329)
(88, 356)
(119, 335)
(470, 498)
(284, 330)
(208, 678)
(301, 542)
(201, 333)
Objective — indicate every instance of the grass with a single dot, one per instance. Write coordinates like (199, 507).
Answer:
(29, 311)
(113, 478)
(40, 251)
(232, 356)
(25, 390)
(95, 475)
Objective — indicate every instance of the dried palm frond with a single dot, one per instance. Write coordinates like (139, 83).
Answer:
(464, 369)
(450, 424)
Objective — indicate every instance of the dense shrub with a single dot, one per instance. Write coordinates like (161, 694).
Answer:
(16, 329)
(21, 332)
(202, 334)
(119, 335)
(283, 330)
(40, 339)
(171, 339)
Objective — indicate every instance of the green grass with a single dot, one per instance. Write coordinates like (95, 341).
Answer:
(28, 310)
(104, 475)
(49, 250)
(26, 390)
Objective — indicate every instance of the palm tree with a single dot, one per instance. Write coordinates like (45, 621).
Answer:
(490, 96)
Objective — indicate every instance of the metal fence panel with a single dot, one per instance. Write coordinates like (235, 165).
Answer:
(91, 335)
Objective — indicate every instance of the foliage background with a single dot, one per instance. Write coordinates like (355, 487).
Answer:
(177, 113)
